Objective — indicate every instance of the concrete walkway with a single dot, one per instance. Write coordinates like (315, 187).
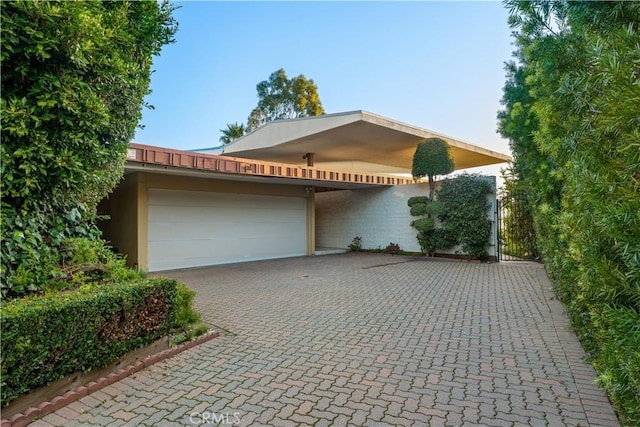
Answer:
(364, 340)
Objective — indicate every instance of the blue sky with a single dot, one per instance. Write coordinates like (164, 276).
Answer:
(437, 65)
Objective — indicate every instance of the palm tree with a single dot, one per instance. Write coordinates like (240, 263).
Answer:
(232, 132)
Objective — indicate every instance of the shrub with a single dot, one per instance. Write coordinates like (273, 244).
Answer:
(618, 360)
(464, 215)
(437, 238)
(461, 207)
(86, 260)
(47, 337)
(80, 261)
(393, 248)
(356, 244)
(31, 253)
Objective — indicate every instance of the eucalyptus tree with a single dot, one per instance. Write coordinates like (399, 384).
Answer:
(280, 97)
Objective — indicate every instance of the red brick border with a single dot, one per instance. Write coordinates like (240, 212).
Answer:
(58, 402)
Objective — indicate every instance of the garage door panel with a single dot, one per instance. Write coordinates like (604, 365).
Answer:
(186, 198)
(173, 225)
(206, 199)
(191, 249)
(167, 231)
(223, 213)
(190, 229)
(180, 230)
(169, 214)
(197, 252)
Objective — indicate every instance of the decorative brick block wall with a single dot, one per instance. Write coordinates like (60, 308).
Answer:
(378, 215)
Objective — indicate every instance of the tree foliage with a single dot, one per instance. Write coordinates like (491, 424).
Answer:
(232, 132)
(74, 76)
(282, 98)
(571, 114)
(432, 158)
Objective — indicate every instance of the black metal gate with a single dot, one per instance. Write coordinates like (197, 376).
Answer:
(516, 236)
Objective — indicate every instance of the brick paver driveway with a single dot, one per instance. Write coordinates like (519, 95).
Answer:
(364, 339)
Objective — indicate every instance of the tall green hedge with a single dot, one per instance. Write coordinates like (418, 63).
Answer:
(572, 117)
(74, 77)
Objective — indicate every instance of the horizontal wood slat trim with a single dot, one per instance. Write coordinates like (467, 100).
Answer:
(147, 154)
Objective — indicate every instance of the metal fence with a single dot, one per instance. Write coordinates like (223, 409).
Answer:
(516, 235)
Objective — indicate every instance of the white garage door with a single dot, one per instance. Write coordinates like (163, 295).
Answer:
(193, 228)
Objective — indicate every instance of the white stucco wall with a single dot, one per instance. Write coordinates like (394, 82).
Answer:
(378, 215)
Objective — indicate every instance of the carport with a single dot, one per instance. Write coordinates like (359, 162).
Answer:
(180, 209)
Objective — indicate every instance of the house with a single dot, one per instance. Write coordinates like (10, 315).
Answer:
(290, 188)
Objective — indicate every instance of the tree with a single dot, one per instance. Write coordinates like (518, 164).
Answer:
(282, 98)
(74, 77)
(232, 132)
(518, 123)
(432, 158)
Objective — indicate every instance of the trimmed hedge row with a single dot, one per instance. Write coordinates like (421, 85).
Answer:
(45, 338)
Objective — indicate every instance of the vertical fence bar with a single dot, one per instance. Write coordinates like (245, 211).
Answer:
(498, 231)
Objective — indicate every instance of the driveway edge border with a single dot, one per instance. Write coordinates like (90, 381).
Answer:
(58, 402)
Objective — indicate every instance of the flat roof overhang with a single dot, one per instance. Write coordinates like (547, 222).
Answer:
(146, 158)
(354, 136)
